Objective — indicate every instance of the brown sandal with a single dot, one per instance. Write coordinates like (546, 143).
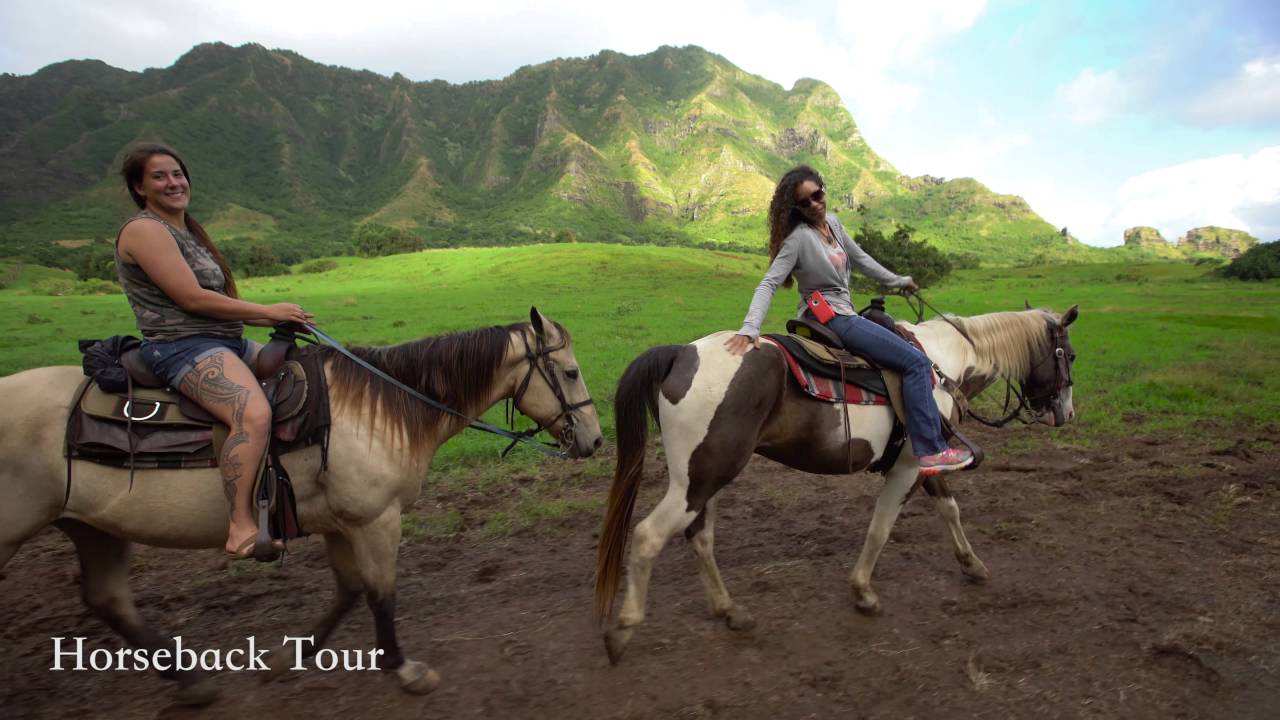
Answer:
(251, 549)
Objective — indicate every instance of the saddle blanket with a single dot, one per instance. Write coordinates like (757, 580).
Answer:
(827, 389)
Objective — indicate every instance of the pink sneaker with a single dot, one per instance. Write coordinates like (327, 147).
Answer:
(945, 461)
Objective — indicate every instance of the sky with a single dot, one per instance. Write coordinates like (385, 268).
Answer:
(1103, 115)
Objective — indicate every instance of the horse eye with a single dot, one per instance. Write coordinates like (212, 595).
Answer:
(571, 373)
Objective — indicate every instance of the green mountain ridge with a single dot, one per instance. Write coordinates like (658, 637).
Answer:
(678, 146)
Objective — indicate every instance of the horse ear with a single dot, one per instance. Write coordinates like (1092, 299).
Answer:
(1027, 304)
(1070, 316)
(537, 320)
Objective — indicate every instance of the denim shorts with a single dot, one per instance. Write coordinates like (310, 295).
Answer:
(172, 360)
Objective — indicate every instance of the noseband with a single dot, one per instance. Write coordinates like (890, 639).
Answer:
(1061, 371)
(539, 359)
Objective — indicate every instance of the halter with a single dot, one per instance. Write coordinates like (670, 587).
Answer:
(539, 358)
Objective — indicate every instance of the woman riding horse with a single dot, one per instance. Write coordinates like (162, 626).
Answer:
(192, 323)
(811, 247)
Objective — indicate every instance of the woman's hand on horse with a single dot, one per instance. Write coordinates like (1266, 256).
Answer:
(911, 286)
(738, 344)
(288, 312)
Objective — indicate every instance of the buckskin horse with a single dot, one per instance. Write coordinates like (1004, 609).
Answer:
(716, 409)
(381, 443)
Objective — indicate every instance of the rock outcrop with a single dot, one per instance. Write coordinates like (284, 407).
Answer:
(1144, 236)
(1213, 240)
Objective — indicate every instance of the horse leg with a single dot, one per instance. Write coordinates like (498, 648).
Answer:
(668, 518)
(349, 589)
(703, 541)
(104, 579)
(938, 489)
(899, 484)
(373, 553)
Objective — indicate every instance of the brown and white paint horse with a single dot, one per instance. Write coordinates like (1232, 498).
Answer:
(716, 409)
(382, 441)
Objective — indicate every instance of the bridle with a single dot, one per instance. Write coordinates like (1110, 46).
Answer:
(1062, 380)
(1029, 406)
(539, 359)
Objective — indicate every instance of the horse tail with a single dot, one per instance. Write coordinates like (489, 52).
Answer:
(635, 401)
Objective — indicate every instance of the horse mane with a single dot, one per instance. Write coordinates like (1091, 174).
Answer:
(1007, 343)
(457, 370)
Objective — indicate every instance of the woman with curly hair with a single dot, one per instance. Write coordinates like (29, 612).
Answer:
(809, 247)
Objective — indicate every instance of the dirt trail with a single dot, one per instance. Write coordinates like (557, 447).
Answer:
(1139, 579)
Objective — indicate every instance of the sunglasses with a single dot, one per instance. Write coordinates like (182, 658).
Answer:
(818, 196)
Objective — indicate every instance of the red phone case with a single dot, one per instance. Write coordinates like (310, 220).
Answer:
(819, 307)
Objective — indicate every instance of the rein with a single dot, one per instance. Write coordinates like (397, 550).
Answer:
(521, 437)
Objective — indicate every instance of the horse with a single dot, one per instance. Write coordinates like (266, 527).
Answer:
(381, 442)
(715, 409)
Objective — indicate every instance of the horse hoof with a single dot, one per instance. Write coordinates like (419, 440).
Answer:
(615, 643)
(737, 618)
(416, 678)
(866, 603)
(201, 692)
(279, 662)
(975, 570)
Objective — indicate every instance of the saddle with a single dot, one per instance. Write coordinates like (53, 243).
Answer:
(816, 356)
(150, 426)
(817, 352)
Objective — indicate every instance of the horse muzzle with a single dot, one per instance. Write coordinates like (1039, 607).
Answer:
(579, 440)
(1060, 411)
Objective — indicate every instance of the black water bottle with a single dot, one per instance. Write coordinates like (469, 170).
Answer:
(875, 312)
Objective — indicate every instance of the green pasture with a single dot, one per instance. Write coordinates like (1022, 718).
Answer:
(1163, 348)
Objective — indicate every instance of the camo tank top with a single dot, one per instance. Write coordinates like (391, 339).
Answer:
(160, 319)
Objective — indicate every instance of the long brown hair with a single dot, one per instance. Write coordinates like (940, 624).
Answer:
(783, 214)
(132, 168)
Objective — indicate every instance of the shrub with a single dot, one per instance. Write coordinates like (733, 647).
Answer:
(1260, 262)
(53, 286)
(250, 257)
(67, 286)
(318, 266)
(374, 240)
(899, 253)
(95, 286)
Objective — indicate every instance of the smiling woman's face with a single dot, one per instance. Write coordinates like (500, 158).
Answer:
(811, 201)
(164, 186)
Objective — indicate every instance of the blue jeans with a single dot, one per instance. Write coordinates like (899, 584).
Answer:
(886, 349)
(172, 360)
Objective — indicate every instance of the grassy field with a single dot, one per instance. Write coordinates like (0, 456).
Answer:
(1162, 347)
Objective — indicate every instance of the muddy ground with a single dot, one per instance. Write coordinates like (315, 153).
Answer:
(1140, 579)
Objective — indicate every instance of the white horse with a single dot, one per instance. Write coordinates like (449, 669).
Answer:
(382, 441)
(715, 409)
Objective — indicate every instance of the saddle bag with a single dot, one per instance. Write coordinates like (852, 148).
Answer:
(101, 361)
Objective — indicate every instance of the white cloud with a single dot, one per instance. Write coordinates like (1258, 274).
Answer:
(1251, 96)
(873, 40)
(1234, 191)
(963, 155)
(1093, 96)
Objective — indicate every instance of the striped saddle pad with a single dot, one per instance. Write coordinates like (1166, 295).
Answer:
(828, 389)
